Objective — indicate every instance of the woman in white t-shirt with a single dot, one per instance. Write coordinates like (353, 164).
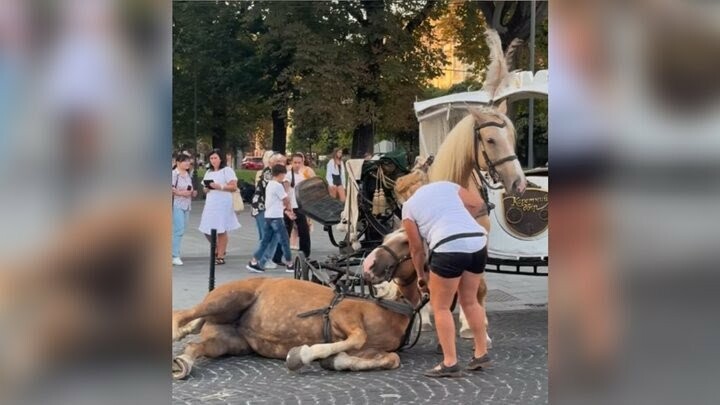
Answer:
(335, 175)
(442, 214)
(219, 181)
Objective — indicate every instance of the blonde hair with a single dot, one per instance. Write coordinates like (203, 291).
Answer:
(266, 157)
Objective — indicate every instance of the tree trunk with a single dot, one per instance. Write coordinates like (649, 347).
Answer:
(279, 139)
(219, 135)
(363, 140)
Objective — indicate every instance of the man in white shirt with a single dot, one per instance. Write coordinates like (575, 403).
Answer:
(275, 200)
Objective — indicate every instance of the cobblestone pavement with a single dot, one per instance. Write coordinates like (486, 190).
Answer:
(517, 376)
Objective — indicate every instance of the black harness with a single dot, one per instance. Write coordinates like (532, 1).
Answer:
(455, 237)
(403, 308)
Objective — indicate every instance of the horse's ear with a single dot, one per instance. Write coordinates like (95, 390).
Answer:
(502, 107)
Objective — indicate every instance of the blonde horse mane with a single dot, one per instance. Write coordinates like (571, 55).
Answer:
(455, 161)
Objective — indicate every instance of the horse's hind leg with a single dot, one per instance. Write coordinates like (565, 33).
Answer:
(367, 360)
(191, 328)
(215, 341)
(222, 305)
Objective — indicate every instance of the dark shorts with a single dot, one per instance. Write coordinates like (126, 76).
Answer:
(452, 264)
(337, 180)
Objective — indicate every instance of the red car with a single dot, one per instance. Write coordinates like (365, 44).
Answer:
(252, 163)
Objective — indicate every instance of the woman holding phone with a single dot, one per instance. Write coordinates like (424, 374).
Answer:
(218, 214)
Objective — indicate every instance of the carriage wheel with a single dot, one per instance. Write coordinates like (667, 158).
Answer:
(300, 268)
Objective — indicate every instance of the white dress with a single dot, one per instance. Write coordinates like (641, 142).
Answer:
(218, 212)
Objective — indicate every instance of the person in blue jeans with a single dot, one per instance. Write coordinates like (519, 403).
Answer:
(182, 191)
(277, 202)
(262, 178)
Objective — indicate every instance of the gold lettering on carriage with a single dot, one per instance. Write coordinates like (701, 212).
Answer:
(530, 204)
(526, 216)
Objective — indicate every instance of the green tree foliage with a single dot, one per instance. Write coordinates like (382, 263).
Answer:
(215, 68)
(345, 70)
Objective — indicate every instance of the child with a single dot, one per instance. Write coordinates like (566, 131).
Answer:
(276, 202)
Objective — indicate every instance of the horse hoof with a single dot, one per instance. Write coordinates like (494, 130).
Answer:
(293, 361)
(181, 366)
(466, 334)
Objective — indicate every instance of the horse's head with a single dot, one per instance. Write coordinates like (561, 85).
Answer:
(391, 260)
(494, 139)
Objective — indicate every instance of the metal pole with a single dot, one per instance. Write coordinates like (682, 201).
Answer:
(531, 105)
(213, 244)
(195, 110)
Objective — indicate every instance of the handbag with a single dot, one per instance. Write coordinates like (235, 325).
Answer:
(237, 201)
(238, 204)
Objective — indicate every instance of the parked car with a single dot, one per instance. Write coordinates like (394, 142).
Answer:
(252, 163)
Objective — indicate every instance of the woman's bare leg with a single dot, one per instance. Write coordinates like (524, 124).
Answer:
(222, 243)
(442, 291)
(474, 312)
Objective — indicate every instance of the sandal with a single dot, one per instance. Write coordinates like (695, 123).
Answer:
(443, 371)
(219, 260)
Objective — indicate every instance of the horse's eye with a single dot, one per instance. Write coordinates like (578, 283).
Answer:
(491, 141)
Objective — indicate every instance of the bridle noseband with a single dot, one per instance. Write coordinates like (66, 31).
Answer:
(390, 271)
(479, 142)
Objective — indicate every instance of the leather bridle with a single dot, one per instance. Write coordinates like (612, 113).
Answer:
(491, 165)
(389, 271)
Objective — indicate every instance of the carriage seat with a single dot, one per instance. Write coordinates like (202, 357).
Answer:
(314, 200)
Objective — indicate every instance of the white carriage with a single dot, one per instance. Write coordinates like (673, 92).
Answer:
(518, 241)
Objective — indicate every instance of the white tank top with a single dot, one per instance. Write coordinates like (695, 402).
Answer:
(439, 213)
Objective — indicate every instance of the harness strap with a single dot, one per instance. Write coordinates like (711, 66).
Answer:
(452, 238)
(398, 307)
(457, 236)
(326, 315)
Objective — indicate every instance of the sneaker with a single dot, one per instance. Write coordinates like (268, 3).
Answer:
(289, 268)
(442, 371)
(254, 267)
(177, 261)
(270, 265)
(479, 362)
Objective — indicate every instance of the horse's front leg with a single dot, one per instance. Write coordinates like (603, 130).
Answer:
(365, 360)
(303, 355)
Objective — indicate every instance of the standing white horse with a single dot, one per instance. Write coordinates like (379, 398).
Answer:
(482, 141)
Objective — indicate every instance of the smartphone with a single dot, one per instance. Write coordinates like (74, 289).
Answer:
(207, 182)
(189, 188)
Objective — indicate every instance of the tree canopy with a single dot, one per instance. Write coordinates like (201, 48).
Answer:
(339, 73)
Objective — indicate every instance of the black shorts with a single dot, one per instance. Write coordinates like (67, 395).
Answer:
(452, 264)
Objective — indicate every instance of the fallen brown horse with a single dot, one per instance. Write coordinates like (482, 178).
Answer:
(263, 316)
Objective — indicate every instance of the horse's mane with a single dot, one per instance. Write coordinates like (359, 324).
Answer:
(455, 161)
(393, 234)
